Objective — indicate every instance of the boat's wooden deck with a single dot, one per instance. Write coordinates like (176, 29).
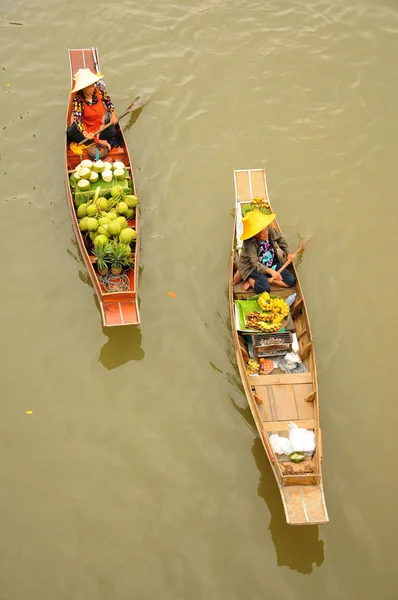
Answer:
(283, 399)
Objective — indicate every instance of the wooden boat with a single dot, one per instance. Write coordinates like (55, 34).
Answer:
(277, 399)
(117, 307)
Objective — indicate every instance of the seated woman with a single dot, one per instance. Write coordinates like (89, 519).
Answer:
(91, 105)
(263, 252)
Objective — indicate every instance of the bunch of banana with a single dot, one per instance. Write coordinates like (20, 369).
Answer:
(268, 327)
(252, 367)
(280, 307)
(264, 301)
(260, 203)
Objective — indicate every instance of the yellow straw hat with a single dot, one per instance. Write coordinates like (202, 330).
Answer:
(83, 78)
(254, 222)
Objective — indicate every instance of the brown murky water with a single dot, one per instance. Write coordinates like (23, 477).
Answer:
(139, 473)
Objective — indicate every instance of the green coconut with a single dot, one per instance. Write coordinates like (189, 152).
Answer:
(91, 210)
(103, 204)
(93, 235)
(103, 230)
(130, 213)
(122, 208)
(83, 226)
(127, 236)
(116, 190)
(92, 224)
(104, 221)
(130, 200)
(83, 185)
(82, 211)
(114, 227)
(122, 221)
(111, 215)
(101, 240)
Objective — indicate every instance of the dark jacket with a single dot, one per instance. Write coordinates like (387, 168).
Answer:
(247, 262)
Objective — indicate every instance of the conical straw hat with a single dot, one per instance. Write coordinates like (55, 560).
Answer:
(83, 78)
(254, 222)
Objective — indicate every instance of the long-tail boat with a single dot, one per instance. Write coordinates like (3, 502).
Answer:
(117, 307)
(279, 398)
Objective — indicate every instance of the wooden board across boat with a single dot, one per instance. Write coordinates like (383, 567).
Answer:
(277, 399)
(121, 307)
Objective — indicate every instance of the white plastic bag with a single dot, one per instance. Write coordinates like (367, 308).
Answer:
(280, 445)
(302, 440)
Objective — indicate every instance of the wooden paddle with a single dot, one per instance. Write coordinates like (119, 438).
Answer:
(303, 244)
(138, 103)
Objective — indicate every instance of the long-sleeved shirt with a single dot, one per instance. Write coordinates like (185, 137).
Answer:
(79, 101)
(248, 260)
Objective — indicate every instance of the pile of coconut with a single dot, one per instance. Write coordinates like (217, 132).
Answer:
(88, 172)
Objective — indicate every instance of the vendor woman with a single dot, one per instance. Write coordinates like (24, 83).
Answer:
(91, 109)
(263, 252)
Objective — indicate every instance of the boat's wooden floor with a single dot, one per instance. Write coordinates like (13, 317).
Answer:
(304, 504)
(283, 399)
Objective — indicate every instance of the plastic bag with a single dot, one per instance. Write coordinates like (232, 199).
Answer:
(302, 440)
(280, 445)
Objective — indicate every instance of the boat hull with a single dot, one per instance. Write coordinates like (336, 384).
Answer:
(277, 399)
(118, 308)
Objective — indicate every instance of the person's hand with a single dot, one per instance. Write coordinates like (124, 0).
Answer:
(88, 134)
(291, 257)
(274, 274)
(113, 119)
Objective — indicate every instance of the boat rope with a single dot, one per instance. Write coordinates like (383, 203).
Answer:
(115, 283)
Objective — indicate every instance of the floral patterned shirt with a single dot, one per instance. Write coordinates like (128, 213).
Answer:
(266, 254)
(78, 105)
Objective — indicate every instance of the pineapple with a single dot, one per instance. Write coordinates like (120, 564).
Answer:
(119, 257)
(101, 254)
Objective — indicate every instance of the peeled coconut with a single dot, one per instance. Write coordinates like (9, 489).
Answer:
(77, 175)
(116, 190)
(118, 164)
(83, 185)
(119, 173)
(107, 166)
(101, 240)
(93, 177)
(87, 164)
(98, 166)
(84, 173)
(122, 208)
(107, 176)
(127, 236)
